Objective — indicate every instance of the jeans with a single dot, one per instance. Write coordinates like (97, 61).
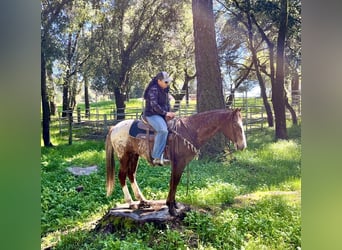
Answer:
(159, 125)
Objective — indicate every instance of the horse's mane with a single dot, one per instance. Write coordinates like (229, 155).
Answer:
(188, 127)
(203, 118)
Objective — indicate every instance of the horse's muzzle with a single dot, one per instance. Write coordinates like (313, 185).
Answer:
(241, 146)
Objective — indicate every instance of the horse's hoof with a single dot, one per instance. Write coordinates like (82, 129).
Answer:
(144, 204)
(173, 212)
(172, 209)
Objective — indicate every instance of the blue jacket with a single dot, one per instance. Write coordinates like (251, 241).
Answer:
(156, 100)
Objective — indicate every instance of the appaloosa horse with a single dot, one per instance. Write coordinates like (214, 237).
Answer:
(187, 135)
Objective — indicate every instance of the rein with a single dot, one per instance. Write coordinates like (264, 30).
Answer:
(186, 142)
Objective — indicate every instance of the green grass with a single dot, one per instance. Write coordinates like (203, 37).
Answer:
(216, 221)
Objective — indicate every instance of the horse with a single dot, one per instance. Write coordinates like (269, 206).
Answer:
(186, 136)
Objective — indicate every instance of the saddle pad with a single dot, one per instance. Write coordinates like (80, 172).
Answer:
(138, 128)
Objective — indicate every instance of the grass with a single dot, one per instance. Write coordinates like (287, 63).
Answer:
(245, 200)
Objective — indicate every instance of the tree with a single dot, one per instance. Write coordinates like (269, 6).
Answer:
(179, 54)
(242, 13)
(279, 34)
(278, 91)
(45, 104)
(184, 91)
(264, 23)
(130, 32)
(78, 15)
(258, 67)
(233, 50)
(209, 81)
(51, 24)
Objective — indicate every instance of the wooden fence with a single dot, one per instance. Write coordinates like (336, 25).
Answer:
(95, 124)
(90, 125)
(254, 114)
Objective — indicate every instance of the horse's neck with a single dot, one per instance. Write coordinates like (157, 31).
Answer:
(204, 126)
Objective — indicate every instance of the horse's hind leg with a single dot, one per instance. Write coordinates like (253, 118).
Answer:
(132, 171)
(124, 163)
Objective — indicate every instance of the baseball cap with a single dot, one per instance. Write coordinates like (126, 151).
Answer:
(166, 77)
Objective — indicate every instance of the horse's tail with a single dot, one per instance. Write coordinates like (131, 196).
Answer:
(110, 165)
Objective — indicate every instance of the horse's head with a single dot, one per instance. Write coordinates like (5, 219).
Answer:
(237, 134)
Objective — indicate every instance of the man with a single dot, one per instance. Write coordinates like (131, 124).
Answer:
(157, 112)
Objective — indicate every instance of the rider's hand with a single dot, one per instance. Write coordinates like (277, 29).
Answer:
(170, 115)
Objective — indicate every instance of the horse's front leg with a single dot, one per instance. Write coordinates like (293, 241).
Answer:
(176, 175)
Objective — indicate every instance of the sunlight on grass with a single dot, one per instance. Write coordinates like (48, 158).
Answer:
(272, 153)
(288, 185)
(90, 157)
(284, 150)
(217, 193)
(291, 198)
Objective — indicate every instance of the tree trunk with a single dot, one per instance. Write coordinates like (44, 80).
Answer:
(50, 89)
(45, 104)
(120, 104)
(124, 216)
(52, 108)
(209, 81)
(278, 91)
(239, 81)
(184, 91)
(267, 105)
(72, 94)
(65, 105)
(230, 98)
(258, 73)
(292, 111)
(86, 97)
(262, 87)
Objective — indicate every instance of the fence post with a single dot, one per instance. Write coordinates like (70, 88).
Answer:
(105, 122)
(87, 113)
(59, 122)
(78, 114)
(70, 125)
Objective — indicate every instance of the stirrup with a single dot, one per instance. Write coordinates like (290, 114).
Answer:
(164, 161)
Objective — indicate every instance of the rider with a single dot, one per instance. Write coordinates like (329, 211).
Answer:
(157, 111)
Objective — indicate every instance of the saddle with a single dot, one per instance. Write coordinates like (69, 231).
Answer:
(141, 129)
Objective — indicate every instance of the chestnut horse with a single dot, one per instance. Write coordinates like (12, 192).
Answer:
(187, 135)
